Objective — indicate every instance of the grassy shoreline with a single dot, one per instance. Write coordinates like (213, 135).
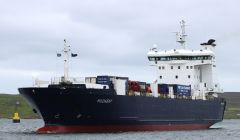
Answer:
(8, 101)
(8, 107)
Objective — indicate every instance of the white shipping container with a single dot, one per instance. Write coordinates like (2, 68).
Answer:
(96, 86)
(120, 86)
(91, 80)
(143, 86)
(154, 88)
(87, 80)
(171, 94)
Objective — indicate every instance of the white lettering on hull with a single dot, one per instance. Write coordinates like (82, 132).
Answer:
(104, 101)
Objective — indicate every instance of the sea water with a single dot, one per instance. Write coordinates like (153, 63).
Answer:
(226, 130)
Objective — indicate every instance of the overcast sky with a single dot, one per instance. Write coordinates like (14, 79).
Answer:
(111, 37)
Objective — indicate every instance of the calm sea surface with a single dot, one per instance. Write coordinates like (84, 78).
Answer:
(226, 130)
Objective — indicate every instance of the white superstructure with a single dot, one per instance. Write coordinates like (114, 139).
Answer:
(187, 67)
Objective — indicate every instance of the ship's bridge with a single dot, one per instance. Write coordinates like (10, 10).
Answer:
(180, 54)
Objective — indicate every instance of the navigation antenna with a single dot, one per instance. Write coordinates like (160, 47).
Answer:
(181, 35)
(66, 54)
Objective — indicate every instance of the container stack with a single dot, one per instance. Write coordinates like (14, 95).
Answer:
(91, 80)
(148, 90)
(163, 90)
(103, 80)
(123, 86)
(182, 91)
(134, 88)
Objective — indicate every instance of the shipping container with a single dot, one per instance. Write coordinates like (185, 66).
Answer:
(148, 88)
(120, 86)
(134, 86)
(163, 88)
(154, 88)
(92, 80)
(142, 85)
(182, 90)
(122, 78)
(104, 80)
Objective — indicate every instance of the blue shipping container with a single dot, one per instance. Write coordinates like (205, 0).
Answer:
(182, 90)
(104, 80)
(163, 88)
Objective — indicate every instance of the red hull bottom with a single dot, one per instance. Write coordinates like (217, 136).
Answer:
(120, 128)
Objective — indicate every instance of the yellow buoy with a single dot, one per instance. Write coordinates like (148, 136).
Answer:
(16, 118)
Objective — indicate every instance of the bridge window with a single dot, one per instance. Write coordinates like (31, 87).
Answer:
(169, 58)
(187, 67)
(189, 76)
(176, 76)
(171, 67)
(163, 58)
(179, 67)
(151, 58)
(160, 76)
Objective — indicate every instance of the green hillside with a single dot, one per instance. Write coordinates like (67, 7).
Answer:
(233, 105)
(7, 106)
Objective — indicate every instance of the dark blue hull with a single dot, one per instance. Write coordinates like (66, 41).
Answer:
(100, 110)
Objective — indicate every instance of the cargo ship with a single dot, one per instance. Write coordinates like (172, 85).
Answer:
(183, 96)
